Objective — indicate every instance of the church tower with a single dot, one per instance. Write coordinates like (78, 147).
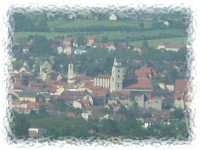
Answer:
(71, 74)
(117, 77)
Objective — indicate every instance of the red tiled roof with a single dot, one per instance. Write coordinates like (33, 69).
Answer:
(17, 85)
(82, 77)
(184, 97)
(85, 102)
(145, 72)
(122, 93)
(182, 85)
(35, 84)
(68, 39)
(104, 76)
(90, 38)
(66, 46)
(33, 104)
(99, 93)
(65, 97)
(174, 45)
(71, 115)
(103, 45)
(141, 84)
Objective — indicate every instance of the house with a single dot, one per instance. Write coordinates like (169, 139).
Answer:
(102, 81)
(90, 40)
(27, 96)
(137, 85)
(155, 103)
(146, 73)
(37, 132)
(25, 50)
(175, 47)
(45, 70)
(71, 115)
(85, 115)
(17, 87)
(182, 100)
(34, 106)
(113, 17)
(140, 49)
(182, 86)
(77, 104)
(72, 16)
(68, 41)
(60, 50)
(67, 50)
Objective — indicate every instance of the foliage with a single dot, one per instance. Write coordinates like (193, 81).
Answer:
(36, 22)
(177, 114)
(40, 46)
(19, 125)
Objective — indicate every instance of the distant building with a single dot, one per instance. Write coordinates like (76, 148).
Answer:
(182, 96)
(28, 96)
(113, 17)
(90, 40)
(171, 47)
(71, 74)
(45, 70)
(102, 80)
(117, 77)
(37, 132)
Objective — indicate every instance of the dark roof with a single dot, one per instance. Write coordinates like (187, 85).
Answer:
(27, 94)
(74, 93)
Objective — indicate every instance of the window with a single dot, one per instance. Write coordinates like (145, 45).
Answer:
(118, 76)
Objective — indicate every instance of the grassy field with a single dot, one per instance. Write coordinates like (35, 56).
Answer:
(155, 43)
(97, 23)
(110, 35)
(135, 35)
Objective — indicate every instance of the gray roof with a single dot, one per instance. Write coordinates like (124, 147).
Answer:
(27, 94)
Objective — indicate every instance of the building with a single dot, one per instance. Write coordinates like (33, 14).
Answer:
(67, 50)
(71, 74)
(27, 96)
(171, 47)
(102, 81)
(90, 40)
(117, 77)
(37, 132)
(45, 70)
(113, 17)
(182, 97)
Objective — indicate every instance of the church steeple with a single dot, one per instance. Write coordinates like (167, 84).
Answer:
(71, 74)
(117, 76)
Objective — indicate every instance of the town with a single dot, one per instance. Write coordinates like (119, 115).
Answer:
(103, 86)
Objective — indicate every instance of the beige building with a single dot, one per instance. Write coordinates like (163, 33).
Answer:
(102, 81)
(113, 17)
(27, 96)
(71, 74)
(45, 70)
(155, 103)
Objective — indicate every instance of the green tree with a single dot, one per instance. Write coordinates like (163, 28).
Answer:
(145, 44)
(19, 125)
(177, 114)
(81, 40)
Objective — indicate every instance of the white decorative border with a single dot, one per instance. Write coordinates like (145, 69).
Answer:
(36, 4)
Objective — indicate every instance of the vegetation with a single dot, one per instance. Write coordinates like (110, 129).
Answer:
(78, 127)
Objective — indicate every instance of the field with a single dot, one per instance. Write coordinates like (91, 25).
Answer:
(155, 43)
(153, 36)
(97, 23)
